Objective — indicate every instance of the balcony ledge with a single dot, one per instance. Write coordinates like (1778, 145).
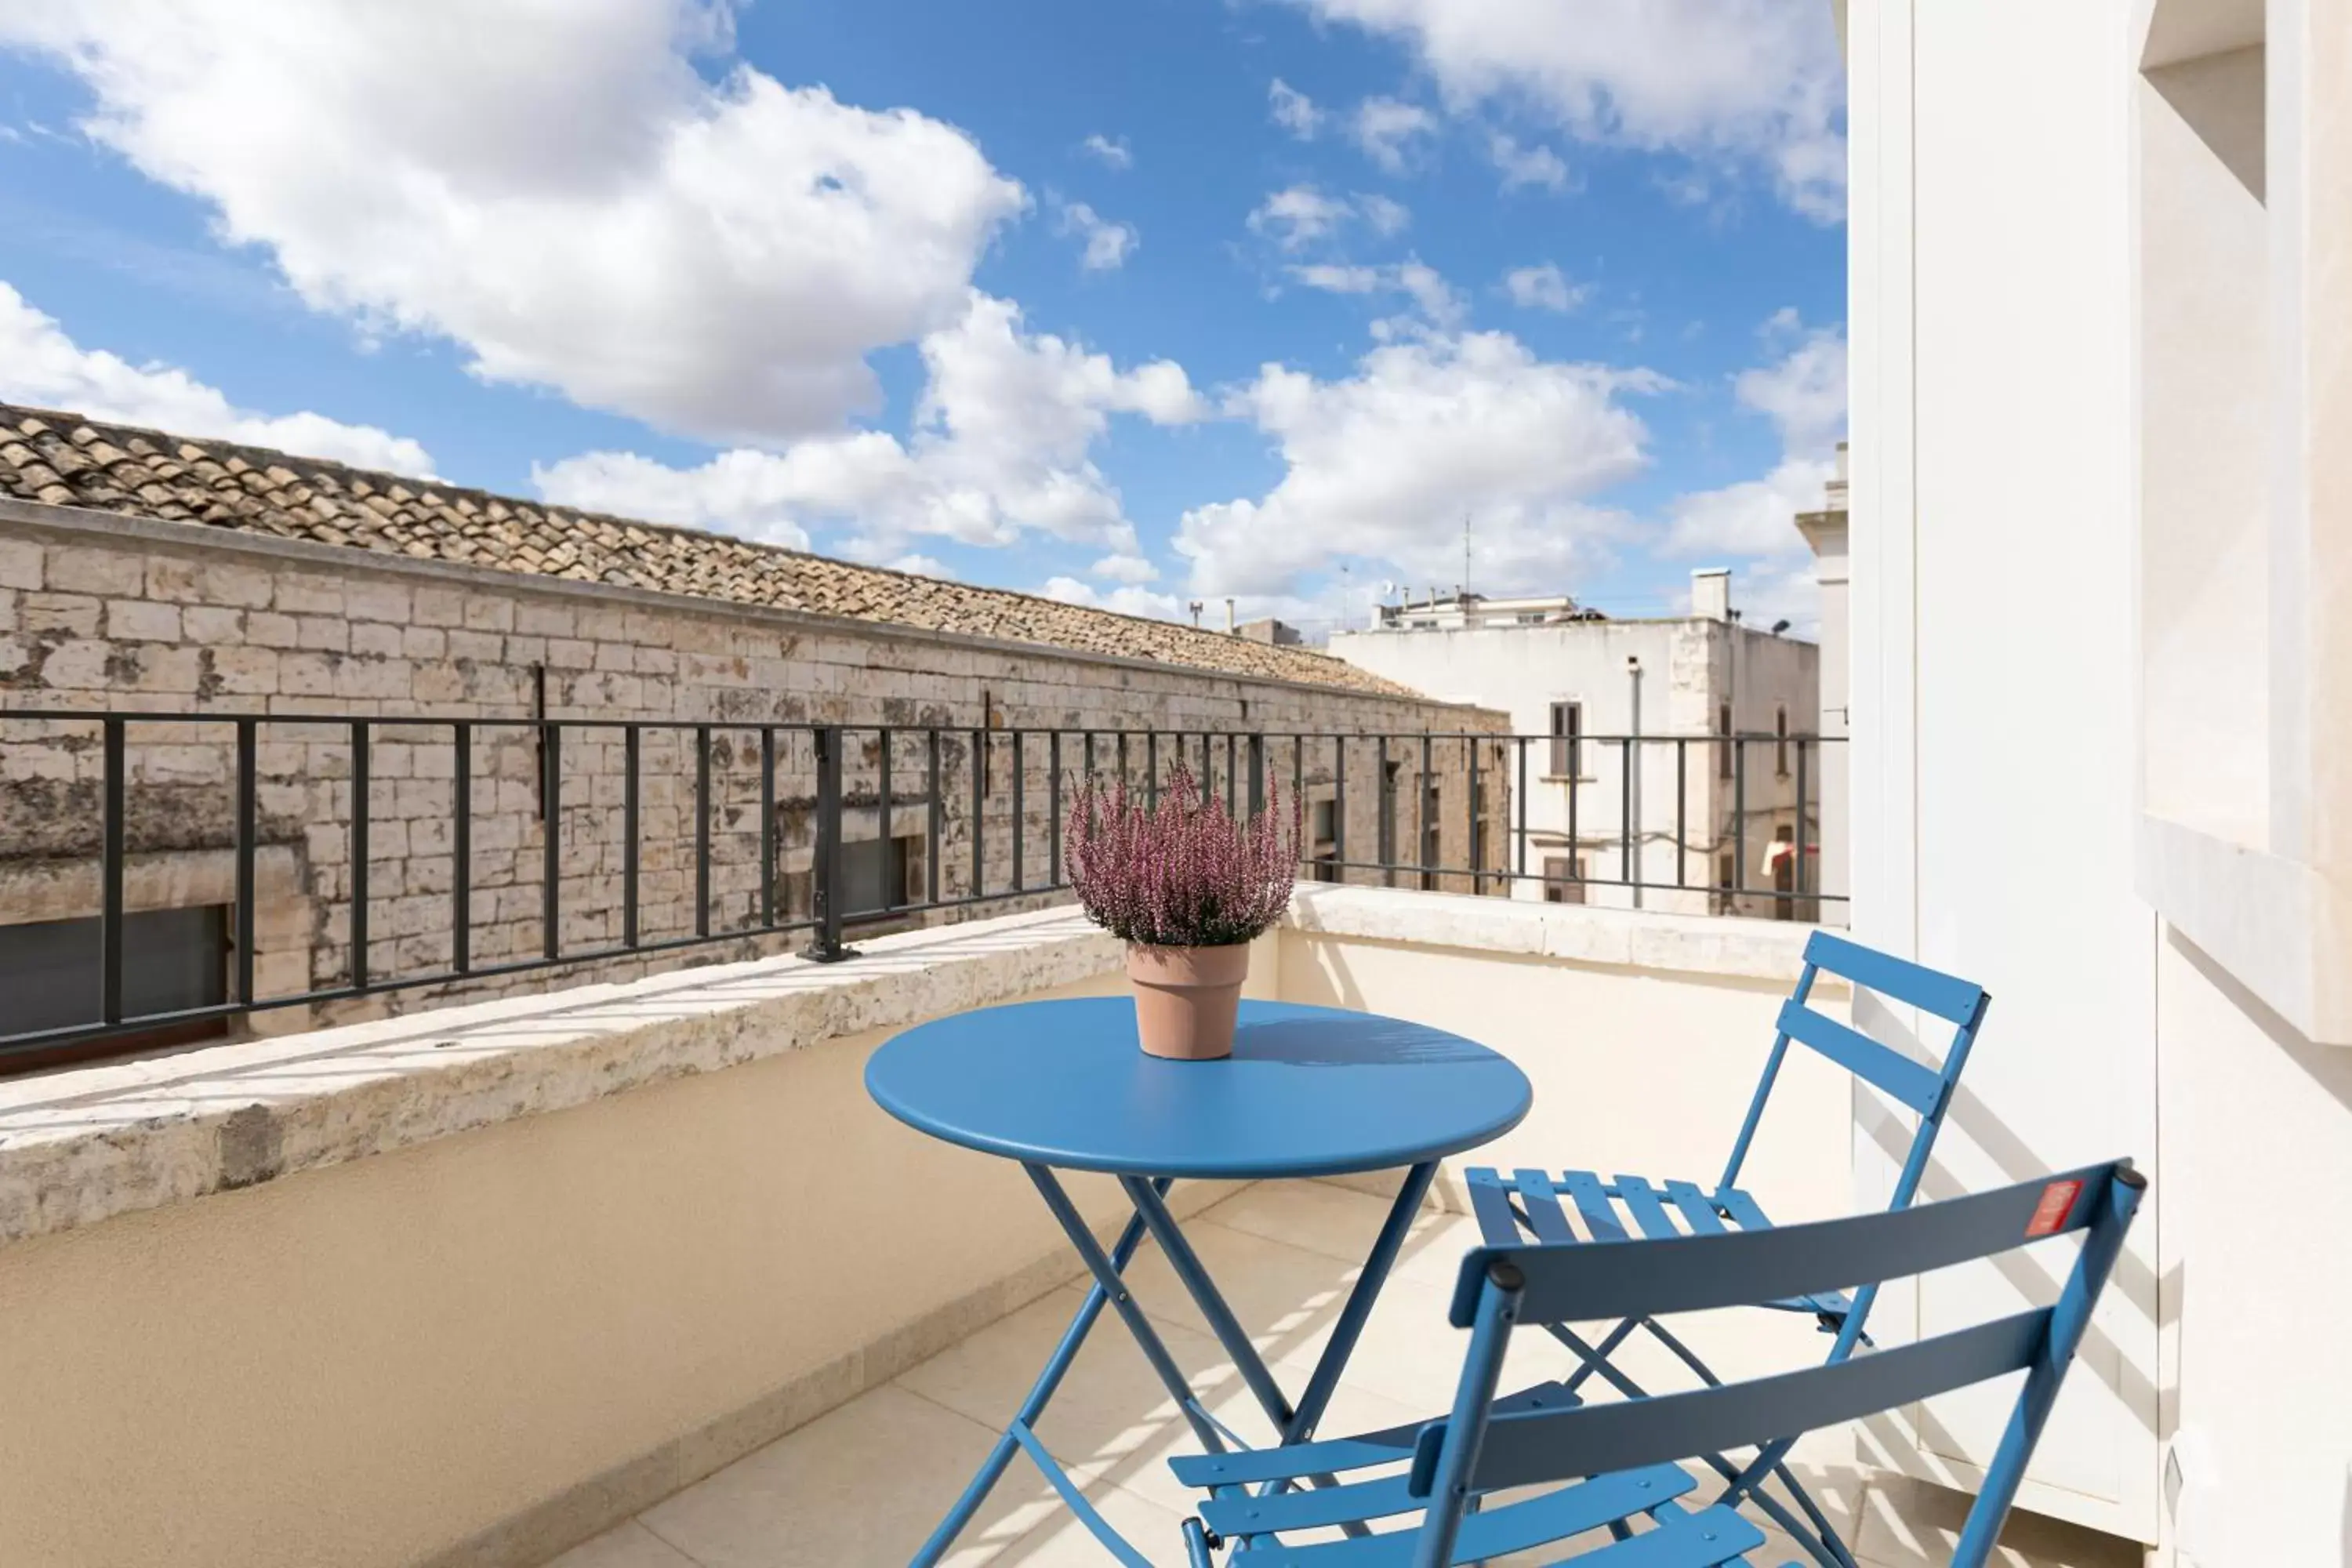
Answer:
(83, 1145)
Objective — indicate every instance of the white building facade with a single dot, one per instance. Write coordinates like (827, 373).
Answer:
(1631, 796)
(2101, 328)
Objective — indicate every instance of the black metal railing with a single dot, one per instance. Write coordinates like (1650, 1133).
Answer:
(440, 809)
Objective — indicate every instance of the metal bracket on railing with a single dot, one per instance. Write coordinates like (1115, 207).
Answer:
(825, 871)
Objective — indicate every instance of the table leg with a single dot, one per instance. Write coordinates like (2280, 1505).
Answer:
(992, 1468)
(1296, 1424)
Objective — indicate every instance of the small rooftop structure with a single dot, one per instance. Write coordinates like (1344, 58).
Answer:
(1465, 611)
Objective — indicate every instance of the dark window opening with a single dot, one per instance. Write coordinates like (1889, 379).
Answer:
(1430, 843)
(1780, 745)
(1325, 841)
(1723, 728)
(1568, 739)
(174, 960)
(1563, 879)
(876, 872)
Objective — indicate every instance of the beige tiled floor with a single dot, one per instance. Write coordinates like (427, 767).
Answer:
(862, 1487)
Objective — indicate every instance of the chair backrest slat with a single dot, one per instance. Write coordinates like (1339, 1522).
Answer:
(1948, 998)
(1624, 1435)
(1699, 1273)
(1917, 1086)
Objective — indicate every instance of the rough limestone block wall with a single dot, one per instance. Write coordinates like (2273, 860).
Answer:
(106, 615)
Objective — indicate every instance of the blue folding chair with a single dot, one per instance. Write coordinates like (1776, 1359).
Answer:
(1525, 1204)
(1612, 1465)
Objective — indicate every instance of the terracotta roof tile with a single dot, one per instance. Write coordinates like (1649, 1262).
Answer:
(63, 459)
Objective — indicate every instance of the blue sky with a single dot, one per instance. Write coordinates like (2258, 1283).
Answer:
(1132, 303)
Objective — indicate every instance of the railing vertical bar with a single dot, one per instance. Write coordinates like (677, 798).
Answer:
(702, 830)
(461, 846)
(551, 845)
(1797, 871)
(1257, 776)
(1054, 808)
(978, 811)
(1521, 863)
(1151, 769)
(1384, 801)
(1682, 811)
(1575, 839)
(893, 889)
(1124, 776)
(1626, 870)
(111, 853)
(1478, 815)
(1428, 768)
(248, 790)
(359, 921)
(632, 766)
(1020, 810)
(1299, 776)
(932, 816)
(825, 868)
(1232, 767)
(1738, 821)
(767, 826)
(1340, 806)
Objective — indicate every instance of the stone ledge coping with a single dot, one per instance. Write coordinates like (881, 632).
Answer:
(85, 1144)
(80, 1146)
(1724, 945)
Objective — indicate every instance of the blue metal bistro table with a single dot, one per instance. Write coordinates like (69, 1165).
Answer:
(1308, 1091)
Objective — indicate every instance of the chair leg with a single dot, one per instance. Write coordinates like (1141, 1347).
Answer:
(1196, 1546)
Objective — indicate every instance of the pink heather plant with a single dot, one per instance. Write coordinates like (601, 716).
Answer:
(1184, 875)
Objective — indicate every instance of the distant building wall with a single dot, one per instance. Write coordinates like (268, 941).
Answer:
(1690, 671)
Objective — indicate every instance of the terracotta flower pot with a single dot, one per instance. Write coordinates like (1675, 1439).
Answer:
(1186, 998)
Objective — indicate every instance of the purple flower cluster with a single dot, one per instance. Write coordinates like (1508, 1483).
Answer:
(1184, 874)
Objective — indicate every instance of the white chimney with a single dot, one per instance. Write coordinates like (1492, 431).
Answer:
(1711, 594)
(1229, 617)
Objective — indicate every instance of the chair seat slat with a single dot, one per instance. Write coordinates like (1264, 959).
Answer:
(1541, 1202)
(1592, 1203)
(1641, 1201)
(1490, 1205)
(1697, 1209)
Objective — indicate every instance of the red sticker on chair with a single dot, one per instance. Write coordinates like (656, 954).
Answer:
(2050, 1213)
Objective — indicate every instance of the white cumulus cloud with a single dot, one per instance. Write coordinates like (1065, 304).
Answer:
(40, 364)
(1103, 246)
(1300, 218)
(1394, 133)
(1293, 110)
(557, 188)
(1524, 163)
(1111, 153)
(1433, 431)
(1544, 288)
(1752, 83)
(1413, 277)
(998, 450)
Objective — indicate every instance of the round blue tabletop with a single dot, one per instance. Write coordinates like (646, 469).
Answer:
(1308, 1091)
